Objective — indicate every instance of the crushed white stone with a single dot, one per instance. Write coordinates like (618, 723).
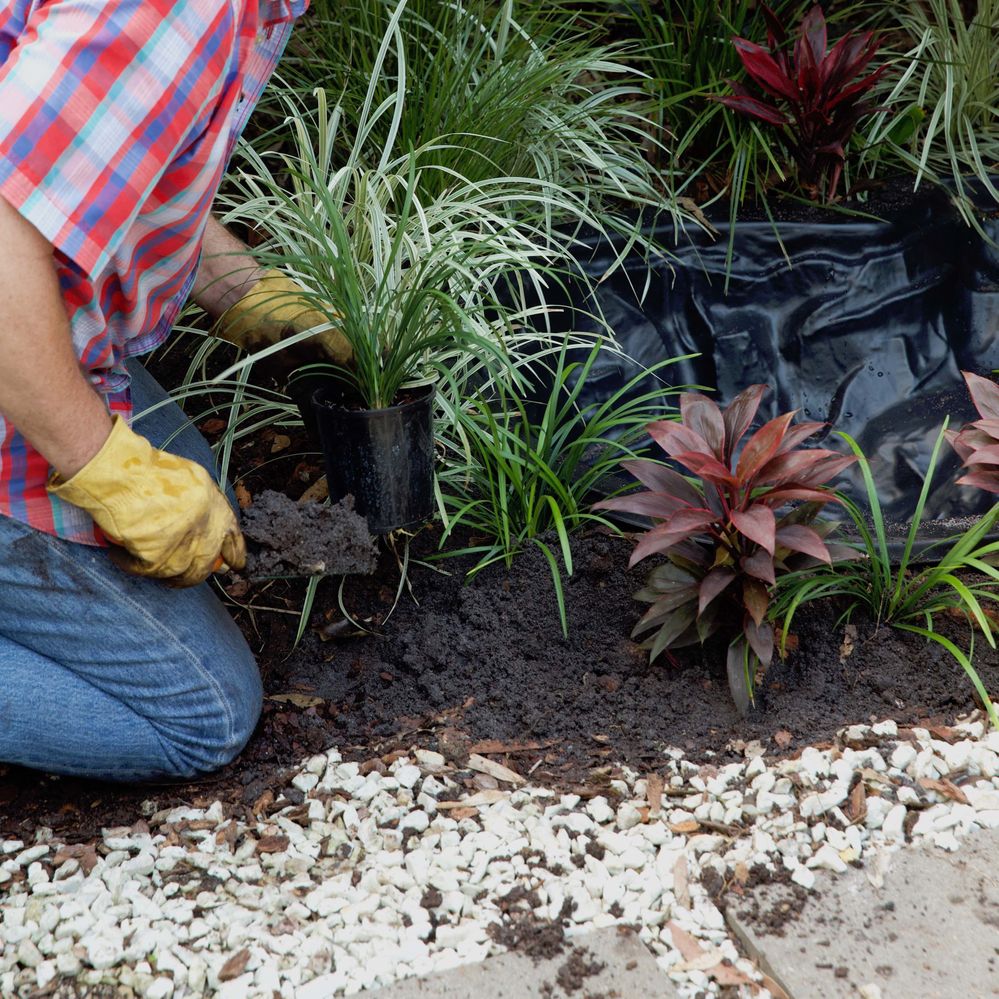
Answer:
(382, 876)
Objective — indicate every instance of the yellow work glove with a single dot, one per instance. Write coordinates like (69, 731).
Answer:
(165, 512)
(275, 307)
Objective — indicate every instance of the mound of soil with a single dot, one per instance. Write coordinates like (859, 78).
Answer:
(461, 663)
(307, 538)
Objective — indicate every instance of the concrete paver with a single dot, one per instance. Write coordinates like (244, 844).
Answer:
(630, 972)
(930, 931)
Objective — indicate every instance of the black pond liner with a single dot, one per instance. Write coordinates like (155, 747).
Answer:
(867, 331)
(384, 458)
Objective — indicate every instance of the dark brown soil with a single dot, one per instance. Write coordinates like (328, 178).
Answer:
(459, 663)
(306, 538)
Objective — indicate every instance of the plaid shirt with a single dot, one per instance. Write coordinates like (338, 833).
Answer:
(117, 120)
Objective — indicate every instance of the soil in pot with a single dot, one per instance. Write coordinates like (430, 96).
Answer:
(381, 457)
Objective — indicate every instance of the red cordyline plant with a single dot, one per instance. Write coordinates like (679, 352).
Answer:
(815, 95)
(977, 444)
(728, 532)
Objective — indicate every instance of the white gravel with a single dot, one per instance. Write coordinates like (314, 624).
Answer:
(381, 876)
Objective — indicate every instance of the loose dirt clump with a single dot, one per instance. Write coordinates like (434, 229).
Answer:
(307, 538)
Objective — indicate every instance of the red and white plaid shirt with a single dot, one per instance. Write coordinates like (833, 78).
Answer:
(117, 120)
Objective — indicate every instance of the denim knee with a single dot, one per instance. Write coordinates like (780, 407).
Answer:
(224, 726)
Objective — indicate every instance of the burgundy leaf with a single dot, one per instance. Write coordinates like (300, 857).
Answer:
(761, 640)
(712, 585)
(987, 426)
(661, 479)
(675, 438)
(658, 506)
(860, 87)
(788, 494)
(988, 455)
(679, 527)
(754, 108)
(762, 446)
(984, 394)
(663, 608)
(789, 466)
(758, 524)
(776, 35)
(813, 29)
(759, 565)
(708, 468)
(762, 67)
(739, 415)
(797, 434)
(989, 481)
(673, 628)
(755, 598)
(822, 471)
(799, 538)
(704, 417)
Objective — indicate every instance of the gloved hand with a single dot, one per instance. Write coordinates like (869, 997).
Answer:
(166, 513)
(275, 307)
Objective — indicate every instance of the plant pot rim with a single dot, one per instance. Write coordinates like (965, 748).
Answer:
(424, 393)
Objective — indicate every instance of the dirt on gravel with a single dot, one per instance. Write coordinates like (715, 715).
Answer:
(302, 539)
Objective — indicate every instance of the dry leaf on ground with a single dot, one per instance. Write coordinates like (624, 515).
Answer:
(849, 642)
(299, 700)
(783, 738)
(235, 966)
(272, 844)
(681, 886)
(497, 770)
(945, 787)
(654, 794)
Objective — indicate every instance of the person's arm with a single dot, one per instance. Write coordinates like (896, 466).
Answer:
(227, 271)
(43, 391)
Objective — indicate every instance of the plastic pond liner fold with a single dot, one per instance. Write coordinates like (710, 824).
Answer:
(868, 330)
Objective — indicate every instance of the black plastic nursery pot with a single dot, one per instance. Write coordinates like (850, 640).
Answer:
(384, 458)
(867, 330)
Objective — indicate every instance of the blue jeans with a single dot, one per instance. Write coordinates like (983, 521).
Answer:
(111, 676)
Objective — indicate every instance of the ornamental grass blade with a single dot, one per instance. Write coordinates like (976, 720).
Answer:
(800, 538)
(758, 524)
(704, 417)
(739, 415)
(737, 668)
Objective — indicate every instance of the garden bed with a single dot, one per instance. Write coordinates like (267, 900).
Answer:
(465, 666)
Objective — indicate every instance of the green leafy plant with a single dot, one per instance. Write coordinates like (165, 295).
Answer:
(815, 96)
(908, 595)
(727, 534)
(411, 281)
(947, 94)
(520, 479)
(496, 90)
